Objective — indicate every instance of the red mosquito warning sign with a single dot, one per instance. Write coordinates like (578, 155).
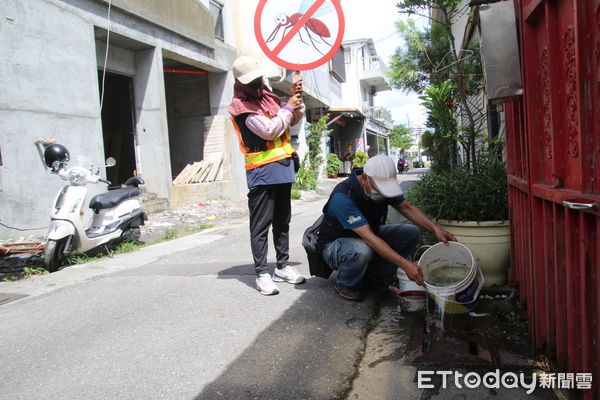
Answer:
(299, 34)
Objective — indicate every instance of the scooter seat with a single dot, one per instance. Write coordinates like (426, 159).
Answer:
(113, 198)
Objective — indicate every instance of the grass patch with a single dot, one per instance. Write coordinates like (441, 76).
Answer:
(29, 271)
(296, 195)
(171, 233)
(79, 257)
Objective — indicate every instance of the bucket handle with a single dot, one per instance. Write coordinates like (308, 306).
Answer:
(420, 251)
(481, 279)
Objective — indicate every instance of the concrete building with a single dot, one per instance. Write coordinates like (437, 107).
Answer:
(151, 101)
(360, 124)
(149, 82)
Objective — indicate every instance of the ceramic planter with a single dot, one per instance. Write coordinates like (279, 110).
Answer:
(489, 241)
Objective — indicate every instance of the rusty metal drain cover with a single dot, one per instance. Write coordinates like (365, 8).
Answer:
(8, 297)
(456, 346)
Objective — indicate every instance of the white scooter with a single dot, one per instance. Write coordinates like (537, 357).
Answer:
(118, 214)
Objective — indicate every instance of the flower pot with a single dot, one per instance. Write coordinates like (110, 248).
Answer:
(333, 176)
(489, 241)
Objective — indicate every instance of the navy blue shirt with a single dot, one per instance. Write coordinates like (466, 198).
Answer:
(347, 213)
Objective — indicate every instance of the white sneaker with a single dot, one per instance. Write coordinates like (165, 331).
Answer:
(287, 274)
(265, 285)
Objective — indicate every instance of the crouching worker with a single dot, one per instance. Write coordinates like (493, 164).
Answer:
(354, 237)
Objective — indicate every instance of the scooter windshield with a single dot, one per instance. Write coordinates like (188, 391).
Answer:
(83, 162)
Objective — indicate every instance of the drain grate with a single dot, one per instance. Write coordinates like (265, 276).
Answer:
(8, 297)
(457, 346)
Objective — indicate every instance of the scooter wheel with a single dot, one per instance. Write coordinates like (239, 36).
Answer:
(54, 254)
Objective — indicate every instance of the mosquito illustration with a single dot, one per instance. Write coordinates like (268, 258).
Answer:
(314, 28)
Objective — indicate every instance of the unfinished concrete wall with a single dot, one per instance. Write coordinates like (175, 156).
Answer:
(187, 17)
(151, 116)
(50, 52)
(49, 90)
(187, 104)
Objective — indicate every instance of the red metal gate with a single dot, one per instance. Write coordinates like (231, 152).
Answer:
(553, 146)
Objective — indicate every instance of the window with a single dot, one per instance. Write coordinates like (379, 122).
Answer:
(348, 56)
(216, 10)
(337, 67)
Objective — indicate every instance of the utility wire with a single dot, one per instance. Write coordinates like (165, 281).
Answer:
(105, 54)
(23, 230)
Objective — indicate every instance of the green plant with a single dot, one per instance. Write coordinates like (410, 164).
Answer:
(359, 159)
(306, 178)
(479, 194)
(317, 131)
(80, 258)
(441, 144)
(171, 233)
(126, 247)
(296, 195)
(29, 271)
(333, 164)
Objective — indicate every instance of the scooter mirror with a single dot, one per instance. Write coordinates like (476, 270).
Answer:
(111, 162)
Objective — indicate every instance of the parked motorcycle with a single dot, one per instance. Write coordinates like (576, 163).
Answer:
(402, 166)
(118, 214)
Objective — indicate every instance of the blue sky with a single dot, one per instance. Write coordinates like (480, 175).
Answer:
(376, 19)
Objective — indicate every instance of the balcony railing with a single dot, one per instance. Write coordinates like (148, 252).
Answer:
(374, 73)
(379, 113)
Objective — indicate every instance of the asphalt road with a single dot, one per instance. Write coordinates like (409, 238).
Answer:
(182, 320)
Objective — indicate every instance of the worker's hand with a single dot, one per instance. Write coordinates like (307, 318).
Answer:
(443, 235)
(414, 273)
(295, 102)
(296, 88)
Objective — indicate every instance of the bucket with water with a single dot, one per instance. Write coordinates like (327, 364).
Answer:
(412, 296)
(452, 277)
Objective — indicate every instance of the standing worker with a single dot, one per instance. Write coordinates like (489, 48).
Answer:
(262, 123)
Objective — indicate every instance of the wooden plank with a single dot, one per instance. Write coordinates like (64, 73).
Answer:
(206, 172)
(196, 167)
(216, 169)
(179, 177)
(194, 178)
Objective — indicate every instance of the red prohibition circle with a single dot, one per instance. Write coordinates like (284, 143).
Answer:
(293, 66)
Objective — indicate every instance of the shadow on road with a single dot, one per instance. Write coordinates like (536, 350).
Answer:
(240, 273)
(311, 352)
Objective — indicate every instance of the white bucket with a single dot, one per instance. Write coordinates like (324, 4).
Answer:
(456, 297)
(412, 296)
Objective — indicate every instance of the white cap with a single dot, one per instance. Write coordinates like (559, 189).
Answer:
(246, 69)
(383, 172)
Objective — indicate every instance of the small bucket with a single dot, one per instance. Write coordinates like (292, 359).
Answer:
(412, 296)
(459, 295)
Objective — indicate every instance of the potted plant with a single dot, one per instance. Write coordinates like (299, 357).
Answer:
(333, 165)
(359, 159)
(472, 204)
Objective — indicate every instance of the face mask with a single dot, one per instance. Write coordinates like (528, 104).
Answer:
(376, 196)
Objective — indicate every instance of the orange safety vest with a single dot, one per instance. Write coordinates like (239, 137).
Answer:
(277, 149)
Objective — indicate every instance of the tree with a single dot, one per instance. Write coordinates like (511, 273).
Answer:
(441, 144)
(422, 60)
(462, 66)
(401, 137)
